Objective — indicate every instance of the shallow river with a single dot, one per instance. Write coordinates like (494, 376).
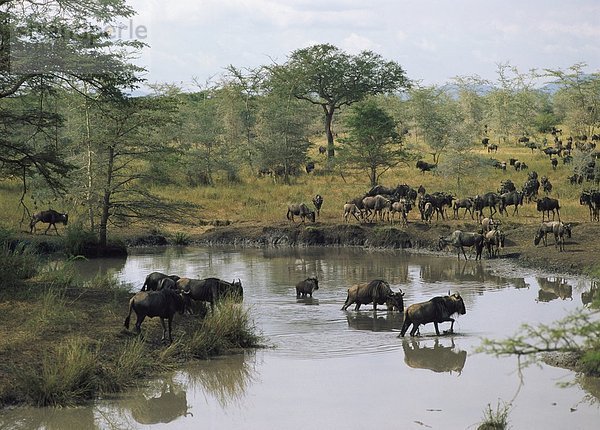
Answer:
(331, 369)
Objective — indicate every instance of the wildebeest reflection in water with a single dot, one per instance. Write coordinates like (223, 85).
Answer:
(373, 321)
(554, 288)
(438, 358)
(168, 406)
(588, 297)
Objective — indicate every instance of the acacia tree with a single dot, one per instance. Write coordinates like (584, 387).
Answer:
(328, 77)
(373, 143)
(430, 107)
(579, 97)
(281, 142)
(44, 46)
(125, 140)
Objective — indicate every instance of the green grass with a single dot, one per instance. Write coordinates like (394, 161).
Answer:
(590, 362)
(495, 419)
(228, 328)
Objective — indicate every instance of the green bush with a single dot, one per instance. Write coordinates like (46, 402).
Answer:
(77, 239)
(17, 262)
(181, 238)
(590, 362)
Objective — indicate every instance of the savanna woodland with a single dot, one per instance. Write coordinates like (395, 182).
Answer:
(138, 163)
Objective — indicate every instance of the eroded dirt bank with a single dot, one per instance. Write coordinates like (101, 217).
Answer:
(582, 254)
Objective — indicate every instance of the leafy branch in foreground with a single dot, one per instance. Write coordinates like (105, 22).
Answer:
(578, 332)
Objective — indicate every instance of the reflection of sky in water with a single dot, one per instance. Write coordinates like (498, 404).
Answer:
(327, 363)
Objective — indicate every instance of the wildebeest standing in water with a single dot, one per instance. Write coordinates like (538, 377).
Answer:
(306, 287)
(162, 304)
(437, 310)
(377, 292)
(152, 280)
(50, 217)
(209, 290)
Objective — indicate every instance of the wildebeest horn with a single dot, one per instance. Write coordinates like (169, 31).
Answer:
(185, 292)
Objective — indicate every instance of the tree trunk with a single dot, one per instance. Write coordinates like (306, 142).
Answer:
(102, 234)
(329, 111)
(373, 176)
(90, 179)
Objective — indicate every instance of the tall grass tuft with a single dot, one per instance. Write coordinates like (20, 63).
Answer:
(17, 262)
(495, 420)
(132, 362)
(226, 329)
(66, 377)
(181, 238)
(77, 239)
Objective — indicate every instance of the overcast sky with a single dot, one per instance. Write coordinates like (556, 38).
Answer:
(433, 40)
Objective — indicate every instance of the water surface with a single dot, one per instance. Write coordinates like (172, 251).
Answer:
(349, 370)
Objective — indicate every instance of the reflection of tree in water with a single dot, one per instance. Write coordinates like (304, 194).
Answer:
(553, 288)
(226, 379)
(438, 358)
(373, 321)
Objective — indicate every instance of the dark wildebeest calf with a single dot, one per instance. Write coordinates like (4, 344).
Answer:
(50, 217)
(318, 202)
(306, 287)
(547, 204)
(153, 279)
(162, 304)
(377, 292)
(437, 310)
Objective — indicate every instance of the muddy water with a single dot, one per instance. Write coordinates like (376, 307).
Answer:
(330, 369)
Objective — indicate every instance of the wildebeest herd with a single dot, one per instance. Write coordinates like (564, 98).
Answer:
(165, 295)
(382, 204)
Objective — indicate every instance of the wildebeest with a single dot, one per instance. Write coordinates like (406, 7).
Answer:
(318, 202)
(437, 310)
(546, 185)
(152, 280)
(310, 166)
(554, 163)
(322, 150)
(592, 200)
(467, 204)
(459, 239)
(402, 207)
(530, 188)
(50, 217)
(306, 287)
(492, 148)
(424, 166)
(488, 224)
(494, 241)
(490, 200)
(163, 304)
(575, 178)
(558, 229)
(513, 198)
(547, 204)
(301, 210)
(209, 290)
(377, 292)
(351, 209)
(376, 206)
(427, 212)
